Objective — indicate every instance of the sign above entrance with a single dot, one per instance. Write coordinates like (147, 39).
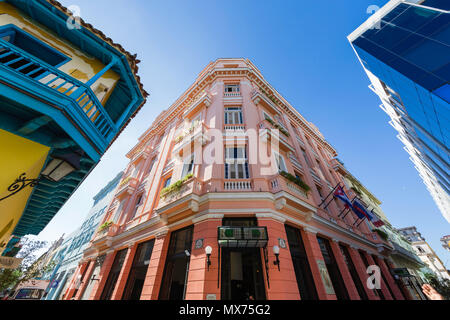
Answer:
(242, 237)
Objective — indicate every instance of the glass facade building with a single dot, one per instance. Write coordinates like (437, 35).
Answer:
(405, 50)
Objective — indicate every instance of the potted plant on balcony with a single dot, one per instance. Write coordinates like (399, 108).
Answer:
(175, 187)
(105, 225)
(295, 180)
(383, 235)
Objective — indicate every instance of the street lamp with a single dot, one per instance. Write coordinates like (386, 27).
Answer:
(276, 251)
(58, 168)
(208, 251)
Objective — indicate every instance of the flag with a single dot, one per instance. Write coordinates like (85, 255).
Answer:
(359, 209)
(341, 195)
(376, 221)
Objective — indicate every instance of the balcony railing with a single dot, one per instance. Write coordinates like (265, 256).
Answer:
(107, 232)
(191, 186)
(265, 130)
(232, 94)
(338, 166)
(280, 183)
(295, 162)
(193, 134)
(46, 76)
(237, 185)
(127, 186)
(315, 175)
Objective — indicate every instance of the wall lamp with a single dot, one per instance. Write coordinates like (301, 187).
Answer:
(276, 251)
(208, 251)
(59, 167)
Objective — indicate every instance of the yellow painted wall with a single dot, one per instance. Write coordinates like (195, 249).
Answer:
(81, 66)
(17, 155)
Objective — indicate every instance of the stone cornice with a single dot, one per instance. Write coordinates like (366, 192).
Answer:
(206, 79)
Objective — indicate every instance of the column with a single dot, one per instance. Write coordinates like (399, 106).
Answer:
(343, 268)
(155, 270)
(361, 270)
(71, 289)
(123, 276)
(201, 281)
(392, 284)
(314, 253)
(283, 282)
(85, 280)
(103, 275)
(384, 287)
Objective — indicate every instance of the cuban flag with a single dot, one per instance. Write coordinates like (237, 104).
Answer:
(360, 210)
(376, 221)
(341, 195)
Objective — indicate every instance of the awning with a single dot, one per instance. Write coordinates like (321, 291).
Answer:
(242, 237)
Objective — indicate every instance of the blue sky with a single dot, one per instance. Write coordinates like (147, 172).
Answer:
(301, 49)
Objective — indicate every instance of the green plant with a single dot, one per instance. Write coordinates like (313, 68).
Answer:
(295, 180)
(442, 286)
(176, 186)
(356, 191)
(179, 139)
(382, 234)
(277, 126)
(105, 225)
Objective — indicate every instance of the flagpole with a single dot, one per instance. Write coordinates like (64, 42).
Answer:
(359, 223)
(346, 214)
(329, 202)
(358, 220)
(324, 200)
(340, 213)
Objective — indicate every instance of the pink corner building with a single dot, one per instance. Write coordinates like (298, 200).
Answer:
(229, 195)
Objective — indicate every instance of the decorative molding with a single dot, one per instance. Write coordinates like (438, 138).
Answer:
(202, 216)
(271, 216)
(310, 230)
(208, 77)
(280, 203)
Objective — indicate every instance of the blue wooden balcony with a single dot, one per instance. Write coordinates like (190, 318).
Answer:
(74, 98)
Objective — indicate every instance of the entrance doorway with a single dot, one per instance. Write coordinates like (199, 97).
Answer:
(241, 265)
(173, 286)
(242, 274)
(136, 277)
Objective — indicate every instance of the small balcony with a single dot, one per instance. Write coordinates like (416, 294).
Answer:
(297, 165)
(338, 166)
(195, 135)
(142, 154)
(189, 187)
(266, 132)
(200, 101)
(232, 94)
(72, 98)
(259, 97)
(127, 187)
(315, 176)
(238, 185)
(234, 130)
(107, 231)
(281, 183)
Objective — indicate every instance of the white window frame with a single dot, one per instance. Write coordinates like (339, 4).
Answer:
(232, 116)
(281, 165)
(236, 164)
(189, 161)
(233, 87)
